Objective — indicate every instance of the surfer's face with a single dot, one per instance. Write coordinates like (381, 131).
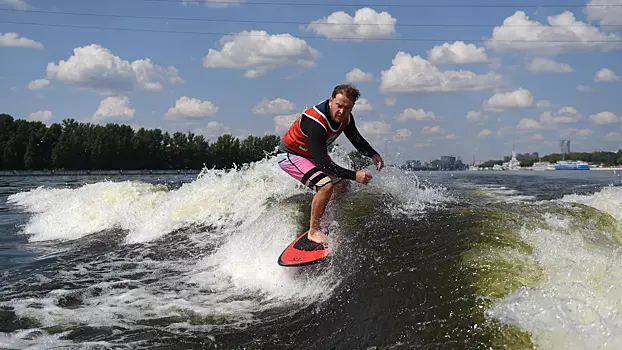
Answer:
(340, 107)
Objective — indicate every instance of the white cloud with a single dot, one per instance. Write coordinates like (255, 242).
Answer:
(529, 123)
(584, 88)
(432, 130)
(541, 64)
(485, 133)
(613, 136)
(259, 52)
(575, 133)
(607, 15)
(212, 130)
(403, 133)
(214, 3)
(563, 34)
(562, 115)
(14, 40)
(366, 24)
(190, 107)
(40, 116)
(114, 107)
(500, 101)
(96, 68)
(374, 128)
(476, 116)
(358, 76)
(415, 74)
(362, 105)
(38, 84)
(604, 118)
(415, 114)
(390, 101)
(17, 4)
(606, 74)
(276, 106)
(544, 104)
(283, 122)
(457, 53)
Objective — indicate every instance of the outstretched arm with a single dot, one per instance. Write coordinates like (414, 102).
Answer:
(317, 145)
(361, 145)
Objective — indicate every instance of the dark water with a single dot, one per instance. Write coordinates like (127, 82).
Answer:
(398, 279)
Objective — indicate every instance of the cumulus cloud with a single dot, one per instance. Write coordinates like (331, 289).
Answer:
(95, 68)
(528, 124)
(563, 115)
(114, 107)
(432, 130)
(476, 116)
(14, 40)
(541, 64)
(584, 88)
(562, 34)
(16, 4)
(606, 74)
(38, 84)
(276, 106)
(415, 114)
(457, 53)
(259, 52)
(43, 116)
(575, 133)
(187, 107)
(613, 136)
(485, 133)
(500, 101)
(403, 133)
(362, 105)
(283, 122)
(544, 104)
(606, 15)
(366, 24)
(604, 118)
(415, 74)
(358, 76)
(214, 3)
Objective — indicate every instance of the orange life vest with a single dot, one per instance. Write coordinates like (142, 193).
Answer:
(297, 141)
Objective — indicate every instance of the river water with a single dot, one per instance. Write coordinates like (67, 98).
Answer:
(426, 260)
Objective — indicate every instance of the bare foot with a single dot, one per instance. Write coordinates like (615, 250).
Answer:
(318, 237)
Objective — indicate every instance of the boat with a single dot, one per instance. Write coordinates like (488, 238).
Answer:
(571, 165)
(542, 166)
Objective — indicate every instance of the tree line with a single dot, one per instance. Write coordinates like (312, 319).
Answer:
(72, 145)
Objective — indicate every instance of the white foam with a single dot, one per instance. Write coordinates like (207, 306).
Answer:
(577, 305)
(236, 279)
(216, 198)
(609, 200)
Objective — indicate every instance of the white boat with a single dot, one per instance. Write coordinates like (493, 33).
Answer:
(541, 166)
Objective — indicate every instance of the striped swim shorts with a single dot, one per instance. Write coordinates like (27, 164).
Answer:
(304, 170)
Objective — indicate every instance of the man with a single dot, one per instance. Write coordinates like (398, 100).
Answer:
(303, 151)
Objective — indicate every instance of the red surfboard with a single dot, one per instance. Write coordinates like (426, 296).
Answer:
(303, 251)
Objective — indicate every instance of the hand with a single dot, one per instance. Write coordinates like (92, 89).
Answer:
(363, 176)
(378, 162)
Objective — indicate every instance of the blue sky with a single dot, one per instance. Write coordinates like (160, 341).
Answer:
(528, 76)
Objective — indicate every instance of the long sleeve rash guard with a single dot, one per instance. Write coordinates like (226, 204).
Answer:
(317, 145)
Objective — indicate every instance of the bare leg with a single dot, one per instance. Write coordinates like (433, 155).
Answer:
(318, 206)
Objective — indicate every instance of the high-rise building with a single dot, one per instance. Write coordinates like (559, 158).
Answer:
(564, 145)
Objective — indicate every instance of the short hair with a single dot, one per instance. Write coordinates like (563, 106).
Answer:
(348, 90)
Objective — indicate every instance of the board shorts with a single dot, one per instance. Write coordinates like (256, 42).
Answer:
(304, 170)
